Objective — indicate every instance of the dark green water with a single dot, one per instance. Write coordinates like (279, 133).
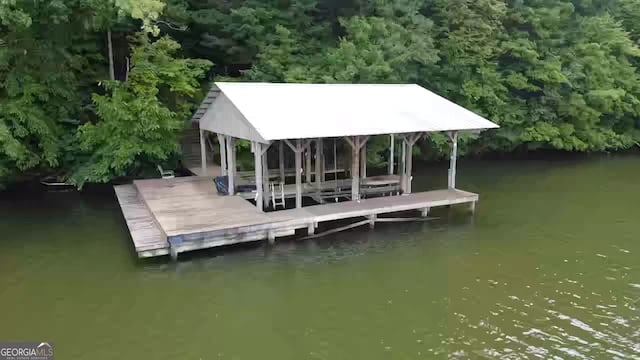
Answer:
(548, 268)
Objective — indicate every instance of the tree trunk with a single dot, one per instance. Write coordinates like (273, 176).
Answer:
(112, 75)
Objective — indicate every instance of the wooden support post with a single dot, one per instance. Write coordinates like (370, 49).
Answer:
(265, 176)
(173, 253)
(453, 136)
(319, 170)
(231, 172)
(409, 142)
(281, 160)
(257, 156)
(409, 167)
(424, 212)
(335, 159)
(307, 163)
(391, 153)
(271, 237)
(363, 161)
(372, 220)
(297, 149)
(402, 162)
(472, 207)
(355, 167)
(203, 154)
(222, 140)
(323, 162)
(298, 152)
(311, 229)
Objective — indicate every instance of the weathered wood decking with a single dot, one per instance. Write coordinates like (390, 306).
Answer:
(183, 214)
(148, 238)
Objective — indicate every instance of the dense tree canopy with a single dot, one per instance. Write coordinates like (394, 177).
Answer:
(555, 74)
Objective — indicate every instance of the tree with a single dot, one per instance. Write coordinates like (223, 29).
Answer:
(560, 75)
(139, 121)
(45, 70)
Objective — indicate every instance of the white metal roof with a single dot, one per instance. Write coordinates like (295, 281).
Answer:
(275, 111)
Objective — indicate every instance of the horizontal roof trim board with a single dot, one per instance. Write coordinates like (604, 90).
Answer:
(273, 111)
(206, 103)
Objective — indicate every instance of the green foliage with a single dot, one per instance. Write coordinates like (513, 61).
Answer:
(573, 76)
(145, 10)
(554, 74)
(52, 56)
(135, 128)
(44, 70)
(559, 75)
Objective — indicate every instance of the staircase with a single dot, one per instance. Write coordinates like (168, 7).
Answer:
(191, 159)
(190, 140)
(190, 146)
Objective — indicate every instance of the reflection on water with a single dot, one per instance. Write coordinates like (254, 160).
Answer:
(560, 317)
(548, 268)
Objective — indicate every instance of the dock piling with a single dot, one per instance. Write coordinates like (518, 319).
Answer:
(372, 220)
(173, 252)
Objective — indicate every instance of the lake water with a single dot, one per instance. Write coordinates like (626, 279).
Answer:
(548, 267)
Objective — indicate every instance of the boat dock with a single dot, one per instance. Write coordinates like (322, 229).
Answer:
(171, 216)
(314, 156)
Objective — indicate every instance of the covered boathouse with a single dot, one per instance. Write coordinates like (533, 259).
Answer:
(305, 123)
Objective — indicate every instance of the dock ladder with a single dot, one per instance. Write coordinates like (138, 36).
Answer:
(274, 200)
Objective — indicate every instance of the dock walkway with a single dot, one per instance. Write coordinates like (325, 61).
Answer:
(148, 238)
(183, 214)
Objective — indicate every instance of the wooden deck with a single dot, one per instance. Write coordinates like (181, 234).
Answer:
(184, 214)
(213, 170)
(190, 205)
(148, 238)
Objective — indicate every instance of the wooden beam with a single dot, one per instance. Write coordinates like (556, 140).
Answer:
(281, 159)
(363, 160)
(319, 170)
(403, 164)
(203, 153)
(335, 158)
(307, 144)
(222, 140)
(363, 140)
(391, 154)
(265, 175)
(453, 136)
(307, 163)
(350, 142)
(298, 152)
(231, 172)
(408, 140)
(413, 138)
(293, 147)
(342, 228)
(409, 166)
(407, 219)
(257, 156)
(265, 147)
(355, 169)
